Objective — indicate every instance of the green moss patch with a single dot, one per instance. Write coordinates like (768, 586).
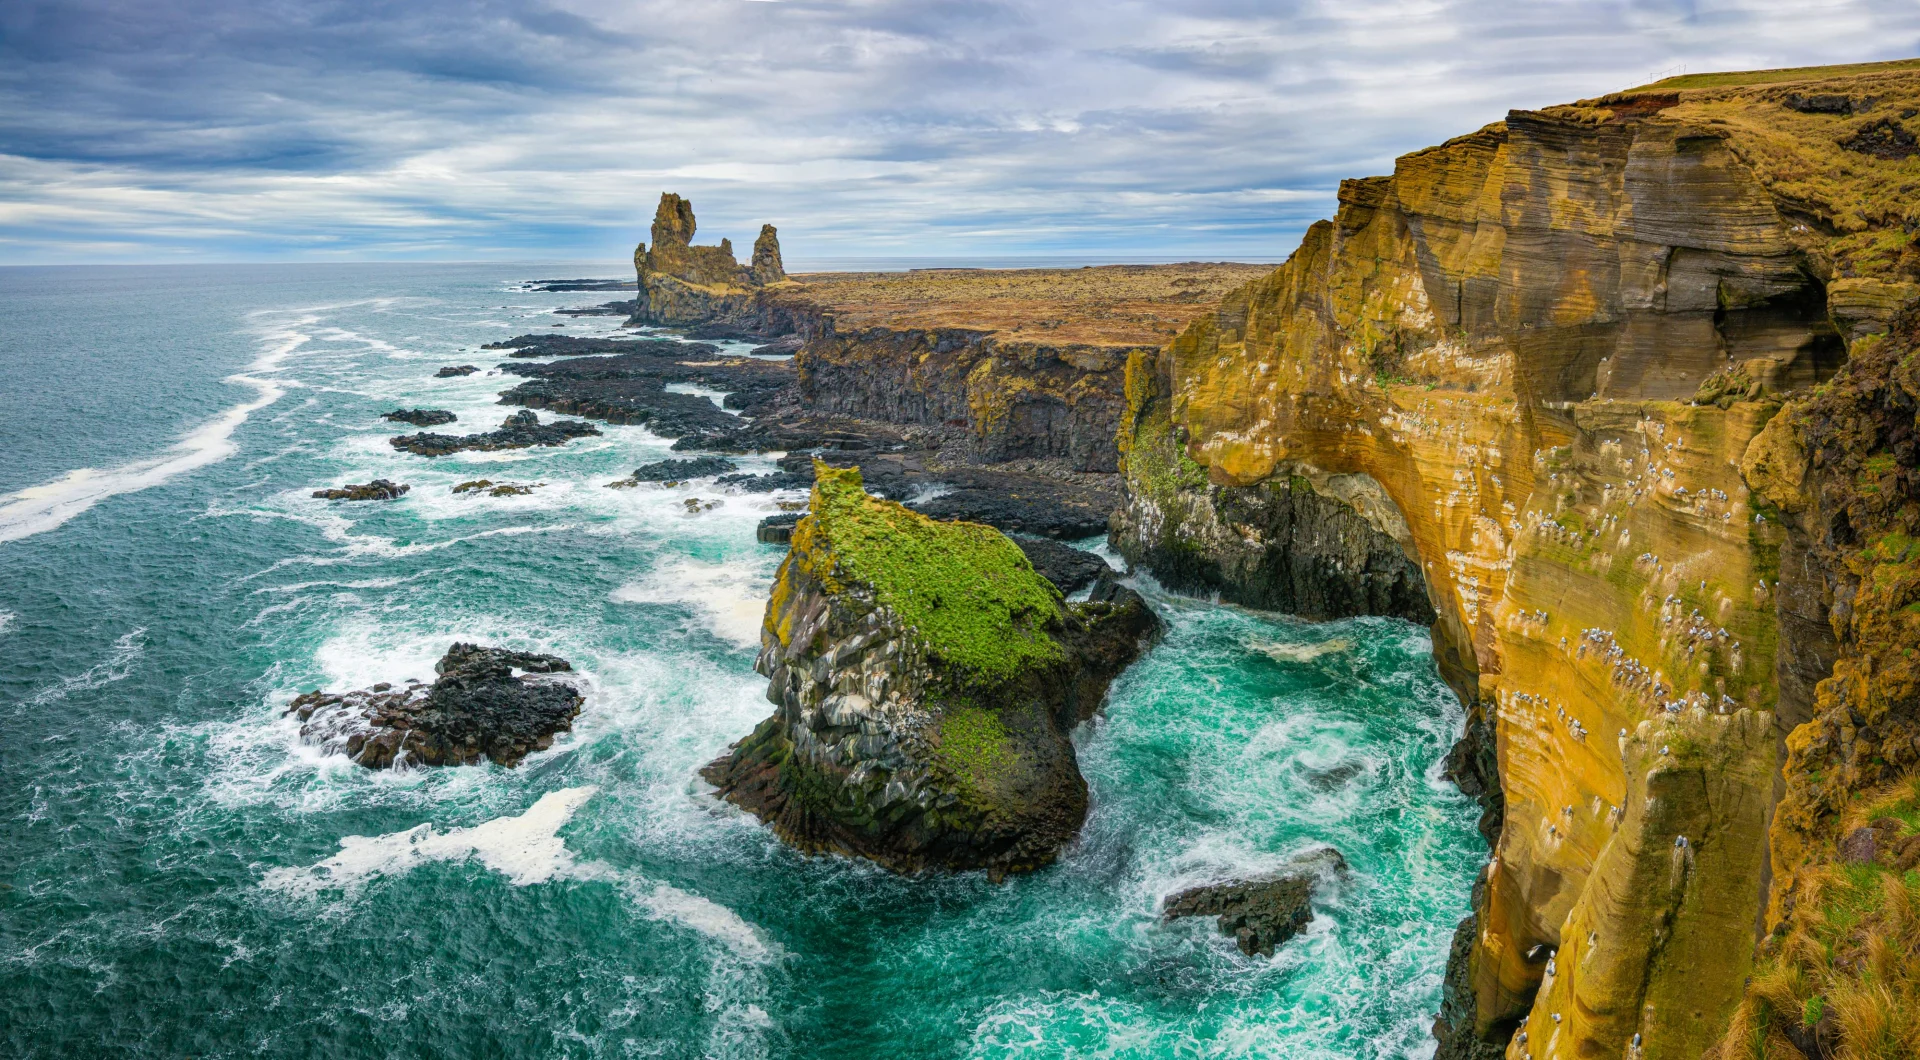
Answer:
(967, 589)
(973, 743)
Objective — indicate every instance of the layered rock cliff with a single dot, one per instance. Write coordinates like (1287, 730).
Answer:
(1523, 386)
(926, 680)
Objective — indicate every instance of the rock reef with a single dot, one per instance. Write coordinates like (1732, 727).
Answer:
(420, 417)
(521, 430)
(378, 490)
(926, 681)
(479, 706)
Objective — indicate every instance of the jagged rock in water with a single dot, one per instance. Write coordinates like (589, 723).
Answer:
(577, 285)
(378, 490)
(1259, 914)
(925, 680)
(604, 309)
(497, 489)
(575, 346)
(477, 707)
(1069, 569)
(421, 417)
(766, 483)
(452, 370)
(777, 529)
(682, 470)
(519, 431)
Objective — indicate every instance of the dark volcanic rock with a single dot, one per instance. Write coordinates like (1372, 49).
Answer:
(681, 470)
(1819, 103)
(785, 346)
(578, 285)
(725, 331)
(453, 370)
(767, 483)
(1885, 138)
(1069, 569)
(476, 707)
(574, 346)
(1259, 914)
(777, 529)
(497, 489)
(604, 309)
(630, 387)
(1026, 513)
(421, 417)
(377, 490)
(518, 431)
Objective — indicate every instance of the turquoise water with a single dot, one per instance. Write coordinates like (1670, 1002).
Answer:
(166, 585)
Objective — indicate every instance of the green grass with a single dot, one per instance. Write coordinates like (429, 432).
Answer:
(967, 589)
(1736, 78)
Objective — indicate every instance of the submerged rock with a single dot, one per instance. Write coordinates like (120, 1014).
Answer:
(497, 489)
(378, 490)
(453, 370)
(421, 417)
(477, 707)
(518, 431)
(926, 680)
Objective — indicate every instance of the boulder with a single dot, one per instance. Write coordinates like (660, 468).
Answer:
(1069, 569)
(1259, 914)
(479, 706)
(378, 490)
(453, 370)
(925, 681)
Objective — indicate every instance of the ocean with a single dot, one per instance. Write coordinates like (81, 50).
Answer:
(181, 876)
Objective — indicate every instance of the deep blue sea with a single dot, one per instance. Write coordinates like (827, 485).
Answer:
(181, 876)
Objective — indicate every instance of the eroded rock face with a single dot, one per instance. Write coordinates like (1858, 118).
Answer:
(925, 680)
(683, 284)
(478, 707)
(378, 490)
(1551, 347)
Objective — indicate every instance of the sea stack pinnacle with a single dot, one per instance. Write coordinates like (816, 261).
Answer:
(683, 284)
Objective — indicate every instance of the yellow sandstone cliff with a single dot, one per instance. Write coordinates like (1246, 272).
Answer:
(1547, 362)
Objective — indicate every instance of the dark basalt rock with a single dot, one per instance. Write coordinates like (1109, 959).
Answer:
(1069, 569)
(1028, 512)
(726, 332)
(477, 707)
(518, 431)
(421, 417)
(1885, 138)
(563, 286)
(452, 370)
(785, 346)
(682, 470)
(575, 346)
(377, 490)
(630, 387)
(1819, 103)
(767, 483)
(1259, 915)
(777, 529)
(604, 309)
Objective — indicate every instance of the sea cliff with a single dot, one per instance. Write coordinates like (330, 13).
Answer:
(1609, 392)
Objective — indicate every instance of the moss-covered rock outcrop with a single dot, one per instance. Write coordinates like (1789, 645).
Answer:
(1555, 354)
(926, 680)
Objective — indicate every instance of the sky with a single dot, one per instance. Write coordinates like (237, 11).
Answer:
(465, 130)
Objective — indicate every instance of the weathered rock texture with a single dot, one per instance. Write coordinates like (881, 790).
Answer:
(1521, 378)
(682, 284)
(478, 706)
(378, 490)
(926, 681)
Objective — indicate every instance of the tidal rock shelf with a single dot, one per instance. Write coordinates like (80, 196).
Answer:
(378, 490)
(521, 430)
(926, 680)
(479, 706)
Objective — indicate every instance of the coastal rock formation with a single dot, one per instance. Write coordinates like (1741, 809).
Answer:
(455, 370)
(420, 417)
(682, 284)
(681, 470)
(518, 431)
(497, 489)
(1258, 914)
(480, 705)
(925, 680)
(1531, 386)
(378, 490)
(1069, 569)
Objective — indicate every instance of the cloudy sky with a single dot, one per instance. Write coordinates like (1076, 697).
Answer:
(226, 130)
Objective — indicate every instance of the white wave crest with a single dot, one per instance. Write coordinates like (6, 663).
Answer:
(127, 650)
(37, 509)
(731, 597)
